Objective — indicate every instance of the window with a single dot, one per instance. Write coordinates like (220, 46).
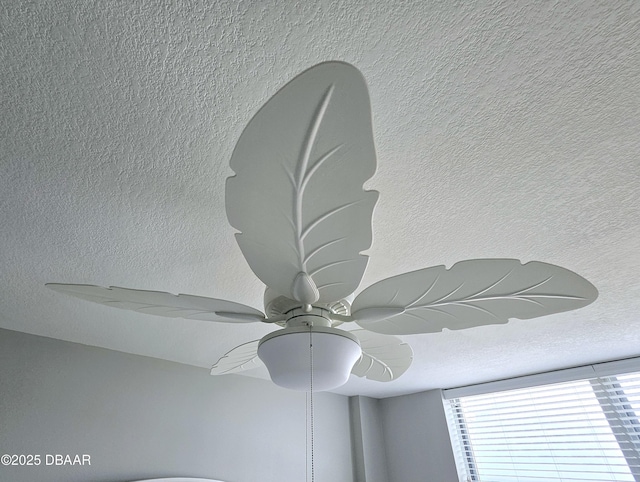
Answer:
(583, 427)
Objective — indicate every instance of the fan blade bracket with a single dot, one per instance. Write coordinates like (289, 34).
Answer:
(276, 319)
(337, 320)
(240, 317)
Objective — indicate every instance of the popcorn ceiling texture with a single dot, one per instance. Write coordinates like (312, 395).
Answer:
(503, 129)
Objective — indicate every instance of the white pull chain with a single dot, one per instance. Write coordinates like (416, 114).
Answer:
(311, 398)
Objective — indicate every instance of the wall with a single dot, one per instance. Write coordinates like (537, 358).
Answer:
(140, 417)
(417, 443)
(401, 439)
(369, 452)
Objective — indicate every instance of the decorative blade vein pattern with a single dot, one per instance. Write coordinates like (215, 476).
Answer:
(241, 358)
(384, 357)
(297, 197)
(473, 293)
(163, 304)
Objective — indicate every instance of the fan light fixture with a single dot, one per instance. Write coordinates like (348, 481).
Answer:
(296, 354)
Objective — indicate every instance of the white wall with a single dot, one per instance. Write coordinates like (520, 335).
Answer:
(416, 438)
(369, 453)
(139, 417)
(401, 439)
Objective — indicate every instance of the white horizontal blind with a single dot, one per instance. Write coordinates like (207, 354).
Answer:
(582, 430)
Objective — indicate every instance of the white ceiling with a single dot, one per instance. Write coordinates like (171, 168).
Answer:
(503, 129)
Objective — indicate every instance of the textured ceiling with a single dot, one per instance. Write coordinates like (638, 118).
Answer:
(503, 129)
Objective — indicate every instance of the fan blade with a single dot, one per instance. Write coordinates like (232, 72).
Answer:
(384, 357)
(472, 293)
(163, 304)
(241, 358)
(297, 197)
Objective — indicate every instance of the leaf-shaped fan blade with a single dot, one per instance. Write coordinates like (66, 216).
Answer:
(241, 358)
(384, 357)
(297, 197)
(471, 293)
(163, 304)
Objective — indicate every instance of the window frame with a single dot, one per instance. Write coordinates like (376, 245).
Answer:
(621, 416)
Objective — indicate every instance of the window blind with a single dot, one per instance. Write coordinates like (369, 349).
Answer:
(578, 430)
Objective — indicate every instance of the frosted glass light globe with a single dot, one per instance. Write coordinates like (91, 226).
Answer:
(286, 353)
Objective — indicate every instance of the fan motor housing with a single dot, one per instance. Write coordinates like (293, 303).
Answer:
(277, 305)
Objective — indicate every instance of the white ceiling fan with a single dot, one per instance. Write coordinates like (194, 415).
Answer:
(304, 218)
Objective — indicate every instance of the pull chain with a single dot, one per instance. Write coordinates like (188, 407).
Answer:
(306, 436)
(311, 398)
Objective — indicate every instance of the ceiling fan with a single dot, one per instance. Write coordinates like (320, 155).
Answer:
(303, 217)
